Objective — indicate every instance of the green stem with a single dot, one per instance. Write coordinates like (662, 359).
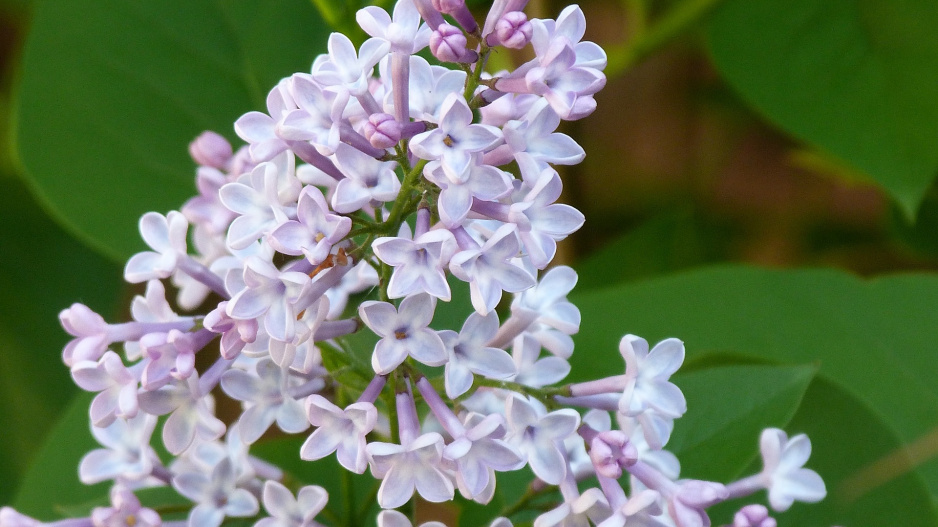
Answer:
(672, 24)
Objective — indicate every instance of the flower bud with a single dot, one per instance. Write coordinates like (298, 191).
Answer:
(753, 516)
(382, 130)
(448, 44)
(210, 150)
(512, 31)
(610, 452)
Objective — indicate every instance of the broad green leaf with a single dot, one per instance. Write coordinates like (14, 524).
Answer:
(112, 92)
(51, 486)
(43, 271)
(728, 407)
(873, 338)
(668, 242)
(855, 78)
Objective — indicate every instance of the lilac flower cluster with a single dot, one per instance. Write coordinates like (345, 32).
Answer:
(379, 186)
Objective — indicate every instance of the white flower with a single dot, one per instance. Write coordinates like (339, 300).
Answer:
(783, 472)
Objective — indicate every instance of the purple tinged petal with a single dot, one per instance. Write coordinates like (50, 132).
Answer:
(388, 355)
(417, 310)
(381, 317)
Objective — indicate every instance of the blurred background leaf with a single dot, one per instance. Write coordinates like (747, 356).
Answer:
(118, 96)
(855, 77)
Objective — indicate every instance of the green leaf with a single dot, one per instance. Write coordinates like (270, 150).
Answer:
(856, 78)
(113, 91)
(873, 338)
(43, 271)
(728, 409)
(51, 486)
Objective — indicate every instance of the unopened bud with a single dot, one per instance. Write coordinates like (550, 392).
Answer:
(512, 30)
(754, 515)
(382, 130)
(611, 452)
(210, 150)
(448, 43)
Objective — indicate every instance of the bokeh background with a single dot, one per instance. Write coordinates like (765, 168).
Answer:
(737, 144)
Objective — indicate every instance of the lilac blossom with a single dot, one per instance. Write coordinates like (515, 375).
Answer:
(260, 129)
(456, 138)
(490, 269)
(125, 510)
(391, 518)
(366, 180)
(469, 354)
(117, 387)
(191, 414)
(127, 455)
(539, 436)
(289, 511)
(267, 398)
(403, 332)
(483, 182)
(415, 465)
(261, 200)
(589, 508)
(315, 230)
(216, 495)
(340, 431)
(418, 264)
(753, 516)
(272, 294)
(166, 235)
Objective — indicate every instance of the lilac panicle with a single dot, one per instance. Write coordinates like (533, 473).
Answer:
(301, 238)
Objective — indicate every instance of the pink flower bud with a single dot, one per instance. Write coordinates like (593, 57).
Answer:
(513, 30)
(210, 150)
(611, 451)
(382, 130)
(448, 43)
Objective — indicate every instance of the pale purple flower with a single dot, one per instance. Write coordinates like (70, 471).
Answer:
(430, 87)
(289, 511)
(591, 506)
(217, 495)
(783, 473)
(555, 318)
(490, 270)
(125, 510)
(418, 264)
(533, 370)
(480, 451)
(403, 469)
(456, 138)
(259, 130)
(483, 182)
(367, 180)
(535, 135)
(539, 436)
(272, 294)
(263, 199)
(541, 222)
(347, 68)
(318, 116)
(166, 235)
(117, 387)
(192, 415)
(315, 230)
(340, 431)
(641, 510)
(267, 399)
(647, 373)
(568, 29)
(468, 354)
(391, 518)
(127, 455)
(403, 31)
(403, 332)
